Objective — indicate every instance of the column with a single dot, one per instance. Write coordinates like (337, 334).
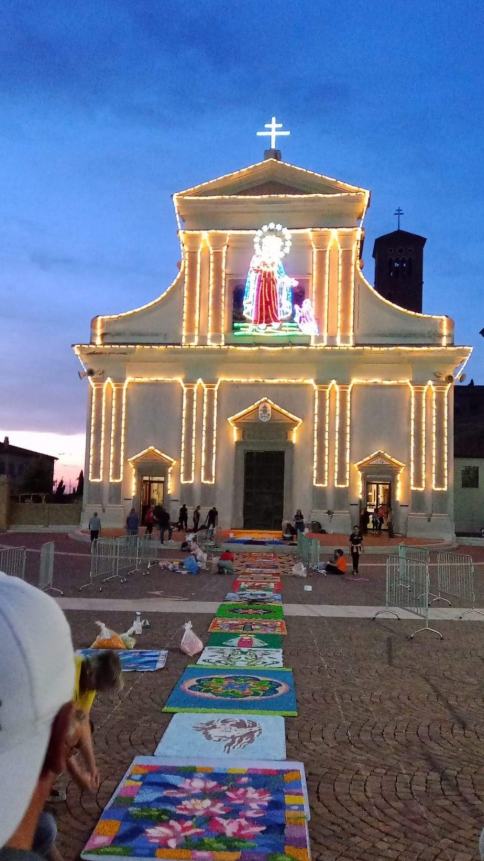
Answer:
(417, 438)
(189, 422)
(439, 437)
(346, 285)
(321, 436)
(209, 432)
(342, 436)
(321, 243)
(95, 434)
(216, 293)
(116, 453)
(191, 287)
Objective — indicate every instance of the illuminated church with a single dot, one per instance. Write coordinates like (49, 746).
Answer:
(270, 375)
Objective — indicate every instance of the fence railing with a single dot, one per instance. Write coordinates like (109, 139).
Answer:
(455, 578)
(46, 569)
(408, 588)
(308, 550)
(12, 561)
(121, 557)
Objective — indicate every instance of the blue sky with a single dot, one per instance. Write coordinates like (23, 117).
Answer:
(107, 108)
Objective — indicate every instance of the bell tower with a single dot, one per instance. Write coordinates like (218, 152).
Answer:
(399, 268)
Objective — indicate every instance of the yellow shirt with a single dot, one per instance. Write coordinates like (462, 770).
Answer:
(82, 702)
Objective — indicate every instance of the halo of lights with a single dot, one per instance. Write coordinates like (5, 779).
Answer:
(273, 229)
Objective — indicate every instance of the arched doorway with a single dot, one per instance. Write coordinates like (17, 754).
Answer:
(380, 484)
(151, 479)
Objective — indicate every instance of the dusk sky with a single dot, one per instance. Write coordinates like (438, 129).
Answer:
(107, 108)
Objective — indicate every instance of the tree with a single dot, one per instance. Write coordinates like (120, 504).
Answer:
(80, 484)
(60, 489)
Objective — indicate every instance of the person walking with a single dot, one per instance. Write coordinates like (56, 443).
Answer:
(196, 518)
(356, 548)
(149, 521)
(132, 523)
(94, 526)
(212, 519)
(381, 518)
(299, 521)
(183, 518)
(164, 523)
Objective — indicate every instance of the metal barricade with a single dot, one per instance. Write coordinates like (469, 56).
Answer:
(149, 554)
(308, 549)
(103, 562)
(12, 561)
(127, 556)
(407, 588)
(455, 577)
(46, 571)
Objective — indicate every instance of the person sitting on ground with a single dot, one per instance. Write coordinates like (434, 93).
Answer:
(225, 564)
(356, 548)
(289, 532)
(36, 682)
(132, 522)
(99, 673)
(338, 566)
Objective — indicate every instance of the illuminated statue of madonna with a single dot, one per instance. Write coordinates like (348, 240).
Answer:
(268, 294)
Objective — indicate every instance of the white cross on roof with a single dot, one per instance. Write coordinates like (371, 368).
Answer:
(272, 132)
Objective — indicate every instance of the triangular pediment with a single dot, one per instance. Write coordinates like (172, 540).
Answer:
(149, 455)
(271, 177)
(265, 410)
(380, 458)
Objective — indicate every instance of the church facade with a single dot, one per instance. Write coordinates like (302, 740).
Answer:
(270, 375)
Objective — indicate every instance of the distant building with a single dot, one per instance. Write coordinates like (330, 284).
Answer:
(399, 268)
(469, 458)
(22, 464)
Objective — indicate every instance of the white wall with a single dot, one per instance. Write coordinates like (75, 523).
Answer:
(468, 501)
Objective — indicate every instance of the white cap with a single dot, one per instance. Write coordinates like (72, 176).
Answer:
(36, 680)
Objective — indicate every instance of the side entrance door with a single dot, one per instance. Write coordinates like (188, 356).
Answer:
(263, 489)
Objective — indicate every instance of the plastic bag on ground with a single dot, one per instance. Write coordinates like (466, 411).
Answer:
(299, 570)
(191, 565)
(190, 643)
(107, 639)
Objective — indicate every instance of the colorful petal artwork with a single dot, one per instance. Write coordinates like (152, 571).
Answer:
(246, 812)
(239, 610)
(213, 656)
(203, 689)
(248, 626)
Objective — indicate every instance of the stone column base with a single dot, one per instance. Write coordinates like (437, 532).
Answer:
(339, 522)
(434, 526)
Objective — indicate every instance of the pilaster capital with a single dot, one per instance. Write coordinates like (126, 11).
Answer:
(217, 241)
(321, 238)
(191, 241)
(347, 238)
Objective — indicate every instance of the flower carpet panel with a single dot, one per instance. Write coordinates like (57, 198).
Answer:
(204, 689)
(251, 583)
(246, 641)
(238, 610)
(135, 660)
(248, 626)
(254, 595)
(221, 736)
(220, 656)
(168, 811)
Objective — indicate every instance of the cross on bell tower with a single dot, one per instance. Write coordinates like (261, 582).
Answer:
(273, 131)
